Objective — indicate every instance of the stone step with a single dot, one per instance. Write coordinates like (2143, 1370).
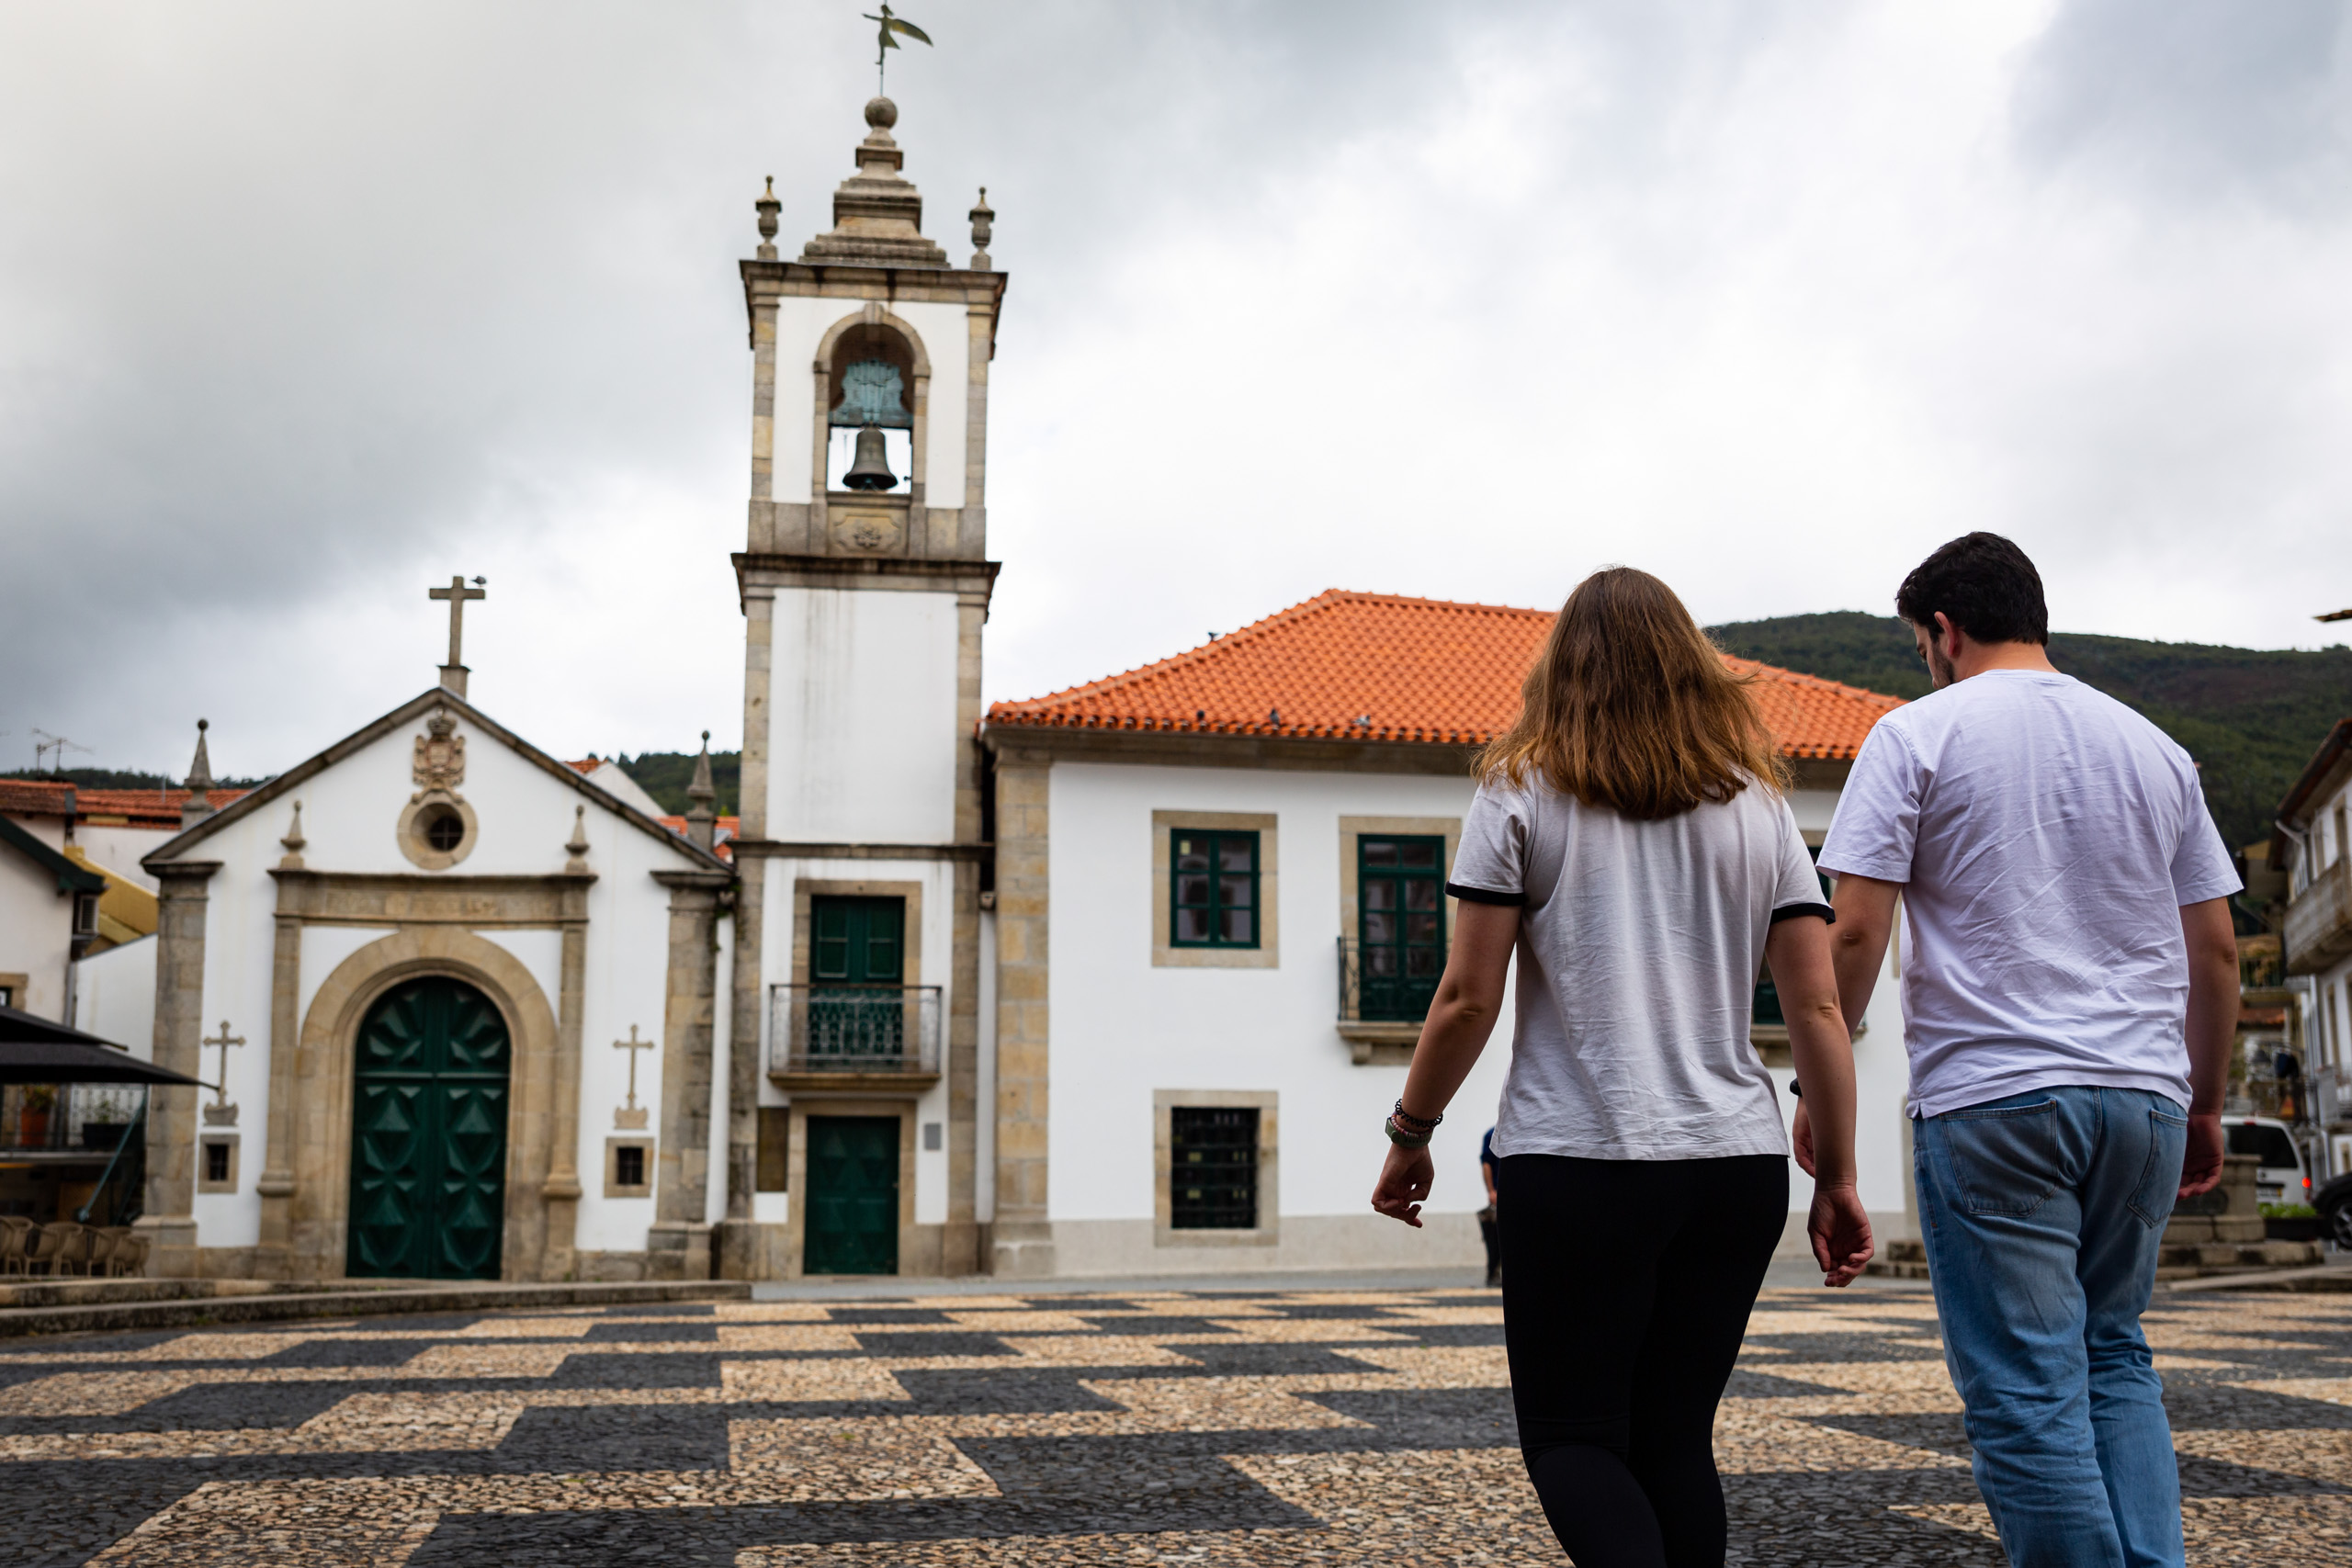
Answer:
(275, 1303)
(1907, 1258)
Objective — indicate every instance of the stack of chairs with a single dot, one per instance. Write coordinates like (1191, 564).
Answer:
(64, 1248)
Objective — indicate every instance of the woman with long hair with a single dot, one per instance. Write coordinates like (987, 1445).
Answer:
(1632, 841)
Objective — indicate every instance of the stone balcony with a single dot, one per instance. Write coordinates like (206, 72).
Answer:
(2319, 922)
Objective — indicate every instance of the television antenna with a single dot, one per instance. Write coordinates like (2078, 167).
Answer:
(54, 747)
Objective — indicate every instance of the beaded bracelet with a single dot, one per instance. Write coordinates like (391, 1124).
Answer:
(1406, 1120)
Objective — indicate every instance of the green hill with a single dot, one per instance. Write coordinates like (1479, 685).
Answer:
(2252, 718)
(664, 775)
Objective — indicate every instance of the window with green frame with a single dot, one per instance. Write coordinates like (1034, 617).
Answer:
(1767, 1011)
(1212, 888)
(1401, 925)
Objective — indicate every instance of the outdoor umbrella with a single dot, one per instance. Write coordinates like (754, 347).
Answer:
(35, 1050)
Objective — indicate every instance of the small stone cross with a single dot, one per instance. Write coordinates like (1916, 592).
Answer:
(453, 675)
(220, 1113)
(634, 1116)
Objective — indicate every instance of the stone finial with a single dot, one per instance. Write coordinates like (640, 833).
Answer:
(702, 796)
(293, 842)
(982, 216)
(578, 845)
(768, 207)
(199, 804)
(877, 215)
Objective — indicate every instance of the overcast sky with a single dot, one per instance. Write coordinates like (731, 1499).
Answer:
(303, 308)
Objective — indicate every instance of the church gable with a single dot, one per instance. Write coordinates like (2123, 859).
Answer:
(434, 786)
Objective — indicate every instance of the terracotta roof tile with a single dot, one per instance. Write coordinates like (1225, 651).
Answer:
(35, 797)
(722, 835)
(145, 808)
(1377, 667)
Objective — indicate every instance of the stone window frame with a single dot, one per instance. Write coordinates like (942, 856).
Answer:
(806, 890)
(1267, 954)
(16, 985)
(613, 1146)
(1267, 1103)
(411, 840)
(206, 1141)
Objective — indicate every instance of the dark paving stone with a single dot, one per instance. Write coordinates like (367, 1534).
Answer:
(2218, 1477)
(1846, 1348)
(1432, 1419)
(2202, 1406)
(652, 1334)
(1746, 1384)
(597, 1438)
(432, 1322)
(226, 1406)
(637, 1368)
(345, 1353)
(653, 1309)
(1121, 1469)
(1315, 1311)
(1272, 1360)
(1844, 1520)
(1027, 1392)
(889, 1315)
(1455, 1334)
(1943, 1434)
(949, 1342)
(1156, 1325)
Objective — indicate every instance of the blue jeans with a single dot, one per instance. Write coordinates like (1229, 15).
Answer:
(2043, 1213)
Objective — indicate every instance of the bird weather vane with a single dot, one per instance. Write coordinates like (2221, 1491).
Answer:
(890, 27)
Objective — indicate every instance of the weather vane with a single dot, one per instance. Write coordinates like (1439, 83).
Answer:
(891, 26)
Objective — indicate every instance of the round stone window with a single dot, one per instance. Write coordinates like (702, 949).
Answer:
(438, 831)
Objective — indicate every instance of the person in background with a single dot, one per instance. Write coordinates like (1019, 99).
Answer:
(1632, 841)
(2070, 993)
(1488, 1231)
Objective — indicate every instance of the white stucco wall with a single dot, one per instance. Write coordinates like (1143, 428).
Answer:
(117, 1000)
(118, 847)
(36, 926)
(1121, 1029)
(863, 738)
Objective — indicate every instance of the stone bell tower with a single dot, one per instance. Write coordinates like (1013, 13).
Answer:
(865, 581)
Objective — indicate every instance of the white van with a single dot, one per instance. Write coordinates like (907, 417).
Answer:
(2281, 1178)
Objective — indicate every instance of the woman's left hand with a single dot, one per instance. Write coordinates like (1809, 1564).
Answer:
(1404, 1184)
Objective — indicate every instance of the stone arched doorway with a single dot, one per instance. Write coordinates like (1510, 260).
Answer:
(429, 1108)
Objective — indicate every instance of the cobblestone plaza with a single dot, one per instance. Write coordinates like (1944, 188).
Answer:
(1276, 1427)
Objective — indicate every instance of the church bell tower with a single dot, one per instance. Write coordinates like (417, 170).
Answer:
(865, 582)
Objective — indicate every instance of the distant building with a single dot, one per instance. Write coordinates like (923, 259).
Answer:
(2312, 846)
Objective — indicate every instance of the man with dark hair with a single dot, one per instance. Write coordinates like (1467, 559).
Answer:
(2069, 998)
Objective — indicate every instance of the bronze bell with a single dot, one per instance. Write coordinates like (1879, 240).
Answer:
(872, 470)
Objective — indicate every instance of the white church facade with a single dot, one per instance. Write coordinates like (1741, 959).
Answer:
(1117, 981)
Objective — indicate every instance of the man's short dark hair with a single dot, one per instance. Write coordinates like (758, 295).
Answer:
(1984, 585)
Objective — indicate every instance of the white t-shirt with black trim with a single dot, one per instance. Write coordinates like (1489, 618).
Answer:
(2046, 837)
(1639, 948)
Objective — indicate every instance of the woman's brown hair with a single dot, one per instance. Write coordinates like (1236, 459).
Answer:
(1631, 706)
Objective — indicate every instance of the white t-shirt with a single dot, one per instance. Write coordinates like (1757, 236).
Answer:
(1639, 948)
(2047, 837)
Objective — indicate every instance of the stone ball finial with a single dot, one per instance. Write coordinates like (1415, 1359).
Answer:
(881, 113)
(202, 725)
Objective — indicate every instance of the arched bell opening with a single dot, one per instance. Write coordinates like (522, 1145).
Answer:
(871, 404)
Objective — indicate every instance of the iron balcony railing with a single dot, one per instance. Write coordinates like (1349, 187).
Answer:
(1377, 985)
(61, 1118)
(853, 1029)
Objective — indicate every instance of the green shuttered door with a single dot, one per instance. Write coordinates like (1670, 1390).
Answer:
(428, 1135)
(853, 1195)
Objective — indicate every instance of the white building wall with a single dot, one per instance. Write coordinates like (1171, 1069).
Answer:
(118, 847)
(1123, 1028)
(35, 928)
(863, 738)
(117, 997)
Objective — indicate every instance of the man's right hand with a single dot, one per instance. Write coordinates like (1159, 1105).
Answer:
(2201, 1167)
(1802, 1133)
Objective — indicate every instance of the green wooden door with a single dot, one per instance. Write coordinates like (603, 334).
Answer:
(428, 1135)
(857, 973)
(1400, 916)
(853, 1196)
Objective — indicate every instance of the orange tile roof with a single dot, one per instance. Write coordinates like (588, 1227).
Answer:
(135, 807)
(723, 832)
(1378, 666)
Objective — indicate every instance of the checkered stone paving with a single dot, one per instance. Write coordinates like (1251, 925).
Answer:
(1145, 1428)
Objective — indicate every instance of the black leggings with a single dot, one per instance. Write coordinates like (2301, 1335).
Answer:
(1625, 1302)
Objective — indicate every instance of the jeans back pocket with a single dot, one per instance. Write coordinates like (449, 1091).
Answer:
(2001, 1159)
(2152, 1199)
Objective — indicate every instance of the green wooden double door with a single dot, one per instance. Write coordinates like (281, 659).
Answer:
(853, 1181)
(428, 1135)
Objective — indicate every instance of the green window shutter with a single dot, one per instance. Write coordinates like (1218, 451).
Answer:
(1401, 925)
(857, 941)
(1212, 888)
(1766, 1011)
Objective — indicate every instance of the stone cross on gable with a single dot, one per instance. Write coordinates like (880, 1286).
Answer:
(220, 1113)
(453, 675)
(634, 1117)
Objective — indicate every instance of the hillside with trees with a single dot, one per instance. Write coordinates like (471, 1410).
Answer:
(664, 775)
(2252, 718)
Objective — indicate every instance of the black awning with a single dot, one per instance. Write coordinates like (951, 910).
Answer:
(37, 1050)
